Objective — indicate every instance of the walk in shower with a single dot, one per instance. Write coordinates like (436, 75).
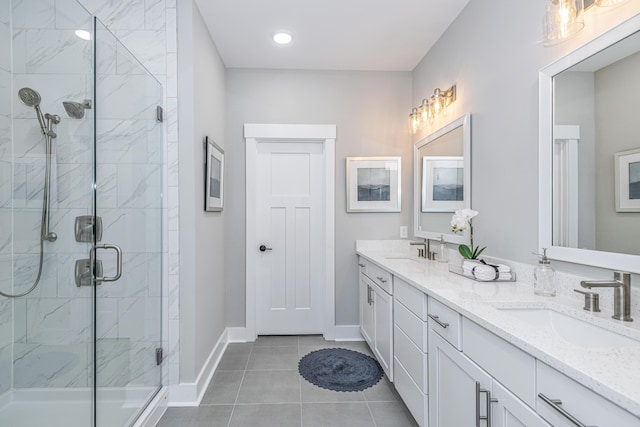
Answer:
(81, 165)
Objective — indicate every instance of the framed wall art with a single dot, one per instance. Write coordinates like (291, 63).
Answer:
(214, 177)
(442, 183)
(627, 177)
(373, 184)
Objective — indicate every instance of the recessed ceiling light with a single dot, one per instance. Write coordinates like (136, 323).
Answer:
(83, 34)
(282, 37)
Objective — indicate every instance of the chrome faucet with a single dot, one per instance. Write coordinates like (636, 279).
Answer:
(621, 285)
(422, 252)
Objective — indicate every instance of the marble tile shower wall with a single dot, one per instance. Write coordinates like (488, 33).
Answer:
(148, 29)
(6, 307)
(52, 331)
(52, 325)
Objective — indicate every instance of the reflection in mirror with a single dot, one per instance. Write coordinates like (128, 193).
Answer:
(589, 152)
(595, 123)
(442, 180)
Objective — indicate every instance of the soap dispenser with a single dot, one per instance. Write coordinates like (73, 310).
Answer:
(444, 253)
(544, 276)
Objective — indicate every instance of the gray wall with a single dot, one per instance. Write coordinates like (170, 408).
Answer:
(370, 110)
(202, 251)
(574, 104)
(618, 129)
(493, 52)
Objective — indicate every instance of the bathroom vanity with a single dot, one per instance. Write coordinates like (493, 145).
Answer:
(494, 354)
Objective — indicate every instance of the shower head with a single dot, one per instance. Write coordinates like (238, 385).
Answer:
(31, 98)
(75, 110)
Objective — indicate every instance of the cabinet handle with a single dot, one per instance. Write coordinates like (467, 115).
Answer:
(486, 418)
(438, 321)
(361, 265)
(382, 279)
(555, 404)
(368, 294)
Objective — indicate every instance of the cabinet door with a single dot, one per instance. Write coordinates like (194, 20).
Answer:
(383, 329)
(509, 411)
(366, 310)
(457, 387)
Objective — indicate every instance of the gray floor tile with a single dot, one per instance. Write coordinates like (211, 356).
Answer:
(273, 358)
(276, 341)
(352, 414)
(178, 417)
(312, 393)
(270, 387)
(223, 388)
(234, 360)
(384, 391)
(213, 416)
(204, 416)
(391, 414)
(285, 415)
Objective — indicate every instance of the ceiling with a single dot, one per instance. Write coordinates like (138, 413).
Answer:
(374, 35)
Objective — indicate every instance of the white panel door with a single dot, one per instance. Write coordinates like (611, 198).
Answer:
(289, 201)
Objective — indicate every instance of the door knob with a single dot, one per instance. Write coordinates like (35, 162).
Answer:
(264, 248)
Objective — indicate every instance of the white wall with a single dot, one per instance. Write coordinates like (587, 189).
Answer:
(370, 110)
(493, 52)
(574, 104)
(618, 129)
(201, 89)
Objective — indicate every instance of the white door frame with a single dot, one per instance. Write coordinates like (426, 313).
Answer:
(325, 134)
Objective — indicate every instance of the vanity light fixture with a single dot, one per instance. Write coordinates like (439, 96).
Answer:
(282, 37)
(431, 107)
(562, 20)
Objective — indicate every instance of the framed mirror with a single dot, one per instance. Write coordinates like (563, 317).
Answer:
(590, 153)
(442, 180)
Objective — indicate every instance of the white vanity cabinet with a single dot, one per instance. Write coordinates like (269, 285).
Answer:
(461, 393)
(410, 348)
(561, 400)
(376, 313)
(458, 388)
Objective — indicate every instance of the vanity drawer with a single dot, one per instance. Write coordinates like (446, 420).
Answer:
(378, 275)
(412, 358)
(445, 322)
(412, 298)
(411, 394)
(588, 407)
(511, 366)
(412, 326)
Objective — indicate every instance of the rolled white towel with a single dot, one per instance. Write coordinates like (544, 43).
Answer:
(485, 273)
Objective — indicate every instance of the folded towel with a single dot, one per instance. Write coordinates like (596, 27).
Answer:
(482, 271)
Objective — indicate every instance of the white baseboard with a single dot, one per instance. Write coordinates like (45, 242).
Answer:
(191, 394)
(347, 333)
(155, 410)
(338, 333)
(239, 334)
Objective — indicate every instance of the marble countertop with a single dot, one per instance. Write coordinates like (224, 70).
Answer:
(611, 372)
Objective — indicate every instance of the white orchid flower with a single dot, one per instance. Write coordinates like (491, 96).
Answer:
(467, 213)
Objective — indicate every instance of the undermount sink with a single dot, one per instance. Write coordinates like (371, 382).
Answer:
(571, 329)
(401, 259)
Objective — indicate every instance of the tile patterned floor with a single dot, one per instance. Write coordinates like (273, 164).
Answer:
(257, 384)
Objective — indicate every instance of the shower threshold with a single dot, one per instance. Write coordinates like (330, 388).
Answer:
(61, 407)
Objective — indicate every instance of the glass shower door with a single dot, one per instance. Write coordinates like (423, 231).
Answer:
(128, 206)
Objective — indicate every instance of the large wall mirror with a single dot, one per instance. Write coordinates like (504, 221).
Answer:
(442, 179)
(590, 152)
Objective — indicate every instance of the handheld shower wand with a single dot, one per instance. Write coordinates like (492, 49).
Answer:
(31, 98)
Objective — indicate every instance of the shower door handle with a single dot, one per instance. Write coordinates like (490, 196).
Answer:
(118, 262)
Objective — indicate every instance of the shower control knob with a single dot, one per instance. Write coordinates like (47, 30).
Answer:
(264, 248)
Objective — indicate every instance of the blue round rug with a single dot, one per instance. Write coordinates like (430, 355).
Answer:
(339, 369)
